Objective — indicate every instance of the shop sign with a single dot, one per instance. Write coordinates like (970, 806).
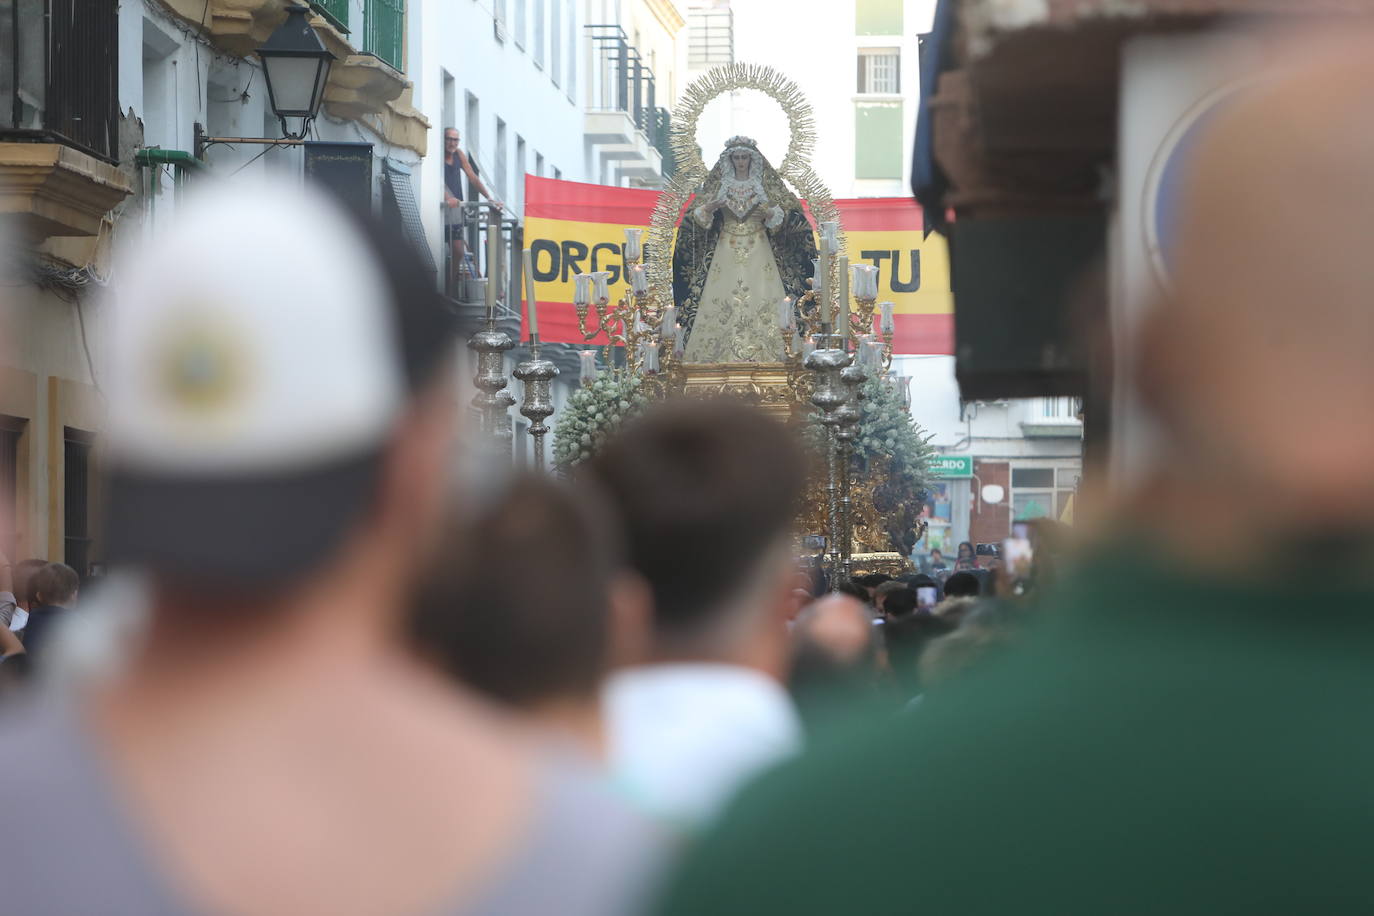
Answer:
(946, 466)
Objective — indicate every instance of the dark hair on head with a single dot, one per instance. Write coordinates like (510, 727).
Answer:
(969, 545)
(900, 603)
(852, 589)
(873, 580)
(55, 583)
(887, 588)
(905, 638)
(704, 488)
(962, 584)
(517, 637)
(23, 579)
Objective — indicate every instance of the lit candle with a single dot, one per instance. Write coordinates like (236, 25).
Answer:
(679, 343)
(865, 281)
(650, 357)
(787, 318)
(844, 296)
(829, 235)
(601, 286)
(634, 245)
(875, 355)
(639, 280)
(587, 359)
(808, 347)
(532, 306)
(823, 288)
(887, 323)
(582, 289)
(667, 329)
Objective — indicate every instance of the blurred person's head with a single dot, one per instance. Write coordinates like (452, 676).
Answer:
(871, 581)
(887, 588)
(54, 585)
(905, 636)
(834, 648)
(962, 585)
(899, 603)
(271, 426)
(541, 641)
(966, 550)
(937, 558)
(1247, 346)
(984, 627)
(852, 589)
(954, 609)
(23, 575)
(707, 491)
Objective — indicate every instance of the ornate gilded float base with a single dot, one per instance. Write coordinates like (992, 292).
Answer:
(772, 386)
(892, 564)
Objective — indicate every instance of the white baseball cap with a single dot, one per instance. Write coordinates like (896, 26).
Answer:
(262, 346)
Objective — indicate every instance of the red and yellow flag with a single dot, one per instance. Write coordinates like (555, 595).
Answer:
(573, 228)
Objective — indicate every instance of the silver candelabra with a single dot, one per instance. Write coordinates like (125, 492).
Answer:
(537, 373)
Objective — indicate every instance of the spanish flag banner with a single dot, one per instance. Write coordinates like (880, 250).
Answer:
(573, 228)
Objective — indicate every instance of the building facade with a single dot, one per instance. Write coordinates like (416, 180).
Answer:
(117, 106)
(998, 462)
(857, 63)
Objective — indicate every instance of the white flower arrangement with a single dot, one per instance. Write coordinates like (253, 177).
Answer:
(592, 414)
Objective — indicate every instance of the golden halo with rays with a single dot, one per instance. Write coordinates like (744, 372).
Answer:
(795, 168)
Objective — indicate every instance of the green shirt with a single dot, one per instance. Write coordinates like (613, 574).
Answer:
(1155, 744)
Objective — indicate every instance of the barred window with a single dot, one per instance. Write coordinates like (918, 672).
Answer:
(880, 71)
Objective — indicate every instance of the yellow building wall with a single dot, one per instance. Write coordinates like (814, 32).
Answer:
(46, 383)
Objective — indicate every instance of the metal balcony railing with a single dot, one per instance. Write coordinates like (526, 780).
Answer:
(385, 31)
(470, 260)
(335, 11)
(620, 80)
(659, 136)
(60, 76)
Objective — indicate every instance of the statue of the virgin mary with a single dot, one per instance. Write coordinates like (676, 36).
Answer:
(743, 245)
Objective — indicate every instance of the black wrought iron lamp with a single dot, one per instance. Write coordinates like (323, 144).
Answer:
(295, 65)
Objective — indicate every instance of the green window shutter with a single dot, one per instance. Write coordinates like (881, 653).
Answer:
(878, 140)
(334, 10)
(878, 17)
(385, 36)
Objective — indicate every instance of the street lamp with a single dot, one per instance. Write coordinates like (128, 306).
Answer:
(295, 65)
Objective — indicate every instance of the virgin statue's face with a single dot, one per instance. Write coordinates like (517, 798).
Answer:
(741, 161)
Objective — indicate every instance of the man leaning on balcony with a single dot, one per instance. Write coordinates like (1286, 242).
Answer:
(456, 165)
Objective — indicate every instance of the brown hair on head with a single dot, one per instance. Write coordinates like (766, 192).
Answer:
(55, 583)
(520, 638)
(705, 488)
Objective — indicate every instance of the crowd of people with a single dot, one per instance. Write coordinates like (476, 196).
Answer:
(363, 683)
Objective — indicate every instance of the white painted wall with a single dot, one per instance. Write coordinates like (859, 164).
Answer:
(171, 79)
(815, 45)
(459, 38)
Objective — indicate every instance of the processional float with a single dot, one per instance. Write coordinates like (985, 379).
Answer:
(827, 343)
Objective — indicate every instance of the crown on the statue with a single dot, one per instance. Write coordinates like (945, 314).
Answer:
(741, 141)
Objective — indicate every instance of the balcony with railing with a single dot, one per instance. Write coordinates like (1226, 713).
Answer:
(622, 119)
(368, 80)
(384, 29)
(59, 114)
